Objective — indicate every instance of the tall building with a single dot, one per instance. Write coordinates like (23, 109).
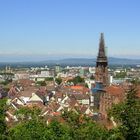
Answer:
(101, 74)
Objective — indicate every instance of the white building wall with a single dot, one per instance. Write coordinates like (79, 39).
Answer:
(35, 98)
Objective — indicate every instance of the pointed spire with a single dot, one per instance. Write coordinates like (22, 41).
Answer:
(101, 53)
(102, 63)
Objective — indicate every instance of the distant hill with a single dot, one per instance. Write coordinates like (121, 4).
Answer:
(123, 61)
(73, 62)
(86, 61)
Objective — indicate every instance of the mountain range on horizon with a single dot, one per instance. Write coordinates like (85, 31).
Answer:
(92, 61)
(78, 61)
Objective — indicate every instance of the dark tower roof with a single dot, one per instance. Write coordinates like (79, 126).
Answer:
(101, 54)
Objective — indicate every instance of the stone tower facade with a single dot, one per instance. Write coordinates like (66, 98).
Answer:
(101, 74)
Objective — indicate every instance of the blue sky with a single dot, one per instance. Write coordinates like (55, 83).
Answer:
(55, 29)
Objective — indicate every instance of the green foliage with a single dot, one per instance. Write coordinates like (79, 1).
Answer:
(41, 83)
(6, 88)
(128, 114)
(76, 80)
(92, 77)
(121, 74)
(74, 127)
(86, 85)
(2, 117)
(135, 81)
(72, 118)
(49, 79)
(9, 74)
(83, 128)
(115, 134)
(116, 111)
(58, 131)
(91, 131)
(131, 116)
(31, 125)
(6, 82)
(31, 130)
(58, 81)
(26, 113)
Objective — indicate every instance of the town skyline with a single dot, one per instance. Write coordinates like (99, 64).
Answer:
(69, 69)
(58, 29)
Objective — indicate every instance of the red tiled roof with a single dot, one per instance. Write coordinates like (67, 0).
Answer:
(77, 87)
(25, 82)
(83, 109)
(56, 113)
(138, 91)
(73, 102)
(80, 96)
(115, 90)
(37, 104)
(12, 91)
(138, 94)
(28, 91)
(59, 94)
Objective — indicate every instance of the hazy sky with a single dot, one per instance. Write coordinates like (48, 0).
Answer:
(42, 29)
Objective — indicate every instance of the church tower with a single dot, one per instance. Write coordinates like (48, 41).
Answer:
(101, 74)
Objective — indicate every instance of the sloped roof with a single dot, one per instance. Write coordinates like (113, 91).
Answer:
(25, 82)
(80, 96)
(115, 90)
(28, 91)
